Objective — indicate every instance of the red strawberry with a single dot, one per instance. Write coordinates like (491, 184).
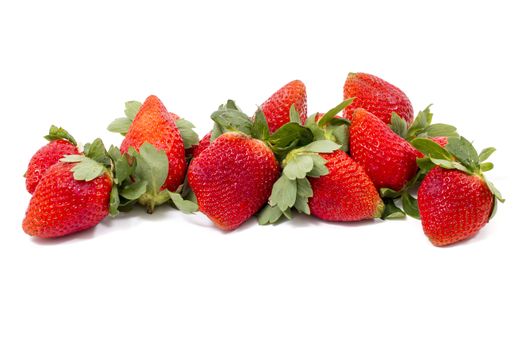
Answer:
(277, 107)
(62, 205)
(155, 125)
(44, 158)
(346, 193)
(61, 144)
(376, 96)
(453, 205)
(203, 144)
(232, 179)
(456, 202)
(387, 158)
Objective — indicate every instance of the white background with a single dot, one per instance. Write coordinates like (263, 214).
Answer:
(170, 281)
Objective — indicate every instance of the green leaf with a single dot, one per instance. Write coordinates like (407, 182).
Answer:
(288, 214)
(486, 153)
(388, 193)
(410, 205)
(487, 166)
(431, 149)
(120, 125)
(450, 164)
(131, 108)
(216, 131)
(319, 168)
(189, 136)
(134, 190)
(73, 158)
(86, 168)
(260, 129)
(269, 215)
(56, 133)
(391, 211)
(114, 153)
(301, 204)
(495, 191)
(294, 115)
(152, 167)
(304, 189)
(425, 164)
(97, 151)
(298, 167)
(463, 150)
(398, 125)
(232, 120)
(288, 137)
(494, 210)
(422, 120)
(331, 114)
(311, 120)
(322, 146)
(114, 201)
(439, 129)
(122, 169)
(186, 206)
(341, 135)
(284, 193)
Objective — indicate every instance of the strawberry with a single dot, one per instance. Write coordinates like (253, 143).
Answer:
(150, 123)
(387, 158)
(346, 193)
(233, 178)
(203, 144)
(154, 124)
(455, 200)
(62, 205)
(376, 96)
(277, 107)
(61, 143)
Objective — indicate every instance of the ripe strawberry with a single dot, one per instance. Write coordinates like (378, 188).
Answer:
(203, 144)
(62, 205)
(155, 125)
(456, 202)
(61, 144)
(387, 158)
(232, 179)
(376, 96)
(346, 193)
(277, 107)
(453, 205)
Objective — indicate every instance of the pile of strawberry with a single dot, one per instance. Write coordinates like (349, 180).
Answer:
(368, 163)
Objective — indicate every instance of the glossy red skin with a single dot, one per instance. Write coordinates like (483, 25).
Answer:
(233, 178)
(346, 193)
(62, 205)
(203, 144)
(387, 158)
(453, 205)
(376, 96)
(44, 158)
(155, 125)
(277, 107)
(440, 140)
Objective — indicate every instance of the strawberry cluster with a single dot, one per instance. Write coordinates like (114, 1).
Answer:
(368, 163)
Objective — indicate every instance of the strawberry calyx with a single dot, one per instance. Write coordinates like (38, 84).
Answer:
(421, 127)
(58, 133)
(329, 126)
